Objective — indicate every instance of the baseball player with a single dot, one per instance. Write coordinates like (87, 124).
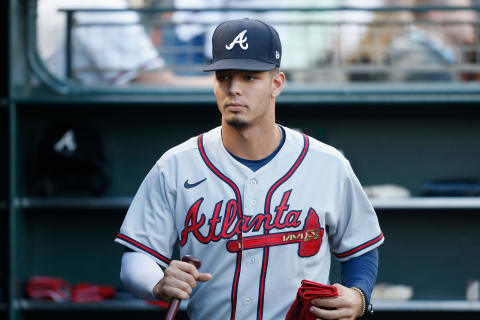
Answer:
(262, 206)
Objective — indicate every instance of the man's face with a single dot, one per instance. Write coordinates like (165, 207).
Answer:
(245, 98)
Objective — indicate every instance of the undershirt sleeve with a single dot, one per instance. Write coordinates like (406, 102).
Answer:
(361, 272)
(140, 273)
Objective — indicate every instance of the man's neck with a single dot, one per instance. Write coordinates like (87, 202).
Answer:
(253, 142)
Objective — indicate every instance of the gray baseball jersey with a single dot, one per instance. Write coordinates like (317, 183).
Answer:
(258, 233)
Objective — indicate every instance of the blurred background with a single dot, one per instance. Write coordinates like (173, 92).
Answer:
(92, 93)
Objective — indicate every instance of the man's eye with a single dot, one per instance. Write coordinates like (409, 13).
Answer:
(222, 77)
(250, 78)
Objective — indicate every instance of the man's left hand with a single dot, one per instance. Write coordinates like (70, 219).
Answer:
(347, 305)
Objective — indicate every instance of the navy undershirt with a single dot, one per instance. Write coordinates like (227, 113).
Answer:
(361, 271)
(254, 165)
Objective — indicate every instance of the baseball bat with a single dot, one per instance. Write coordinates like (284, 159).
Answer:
(175, 302)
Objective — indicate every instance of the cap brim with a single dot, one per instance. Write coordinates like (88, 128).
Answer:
(240, 64)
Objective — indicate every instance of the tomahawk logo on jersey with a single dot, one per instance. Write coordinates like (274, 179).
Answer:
(249, 227)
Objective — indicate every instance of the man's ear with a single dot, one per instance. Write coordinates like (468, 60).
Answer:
(278, 82)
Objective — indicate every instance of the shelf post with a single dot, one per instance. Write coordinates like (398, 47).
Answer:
(12, 209)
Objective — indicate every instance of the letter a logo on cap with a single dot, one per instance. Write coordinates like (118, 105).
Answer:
(240, 40)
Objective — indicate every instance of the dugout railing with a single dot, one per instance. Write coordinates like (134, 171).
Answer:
(332, 68)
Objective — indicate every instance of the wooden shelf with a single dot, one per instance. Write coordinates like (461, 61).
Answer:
(427, 305)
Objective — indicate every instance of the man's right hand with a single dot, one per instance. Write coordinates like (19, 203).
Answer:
(178, 281)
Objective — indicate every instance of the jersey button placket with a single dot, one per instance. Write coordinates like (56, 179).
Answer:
(250, 192)
(248, 293)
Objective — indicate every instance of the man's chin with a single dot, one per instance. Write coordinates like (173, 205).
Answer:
(237, 123)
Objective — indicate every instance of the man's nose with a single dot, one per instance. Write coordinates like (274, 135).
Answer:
(235, 86)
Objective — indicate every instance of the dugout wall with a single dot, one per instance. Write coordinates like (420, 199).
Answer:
(404, 134)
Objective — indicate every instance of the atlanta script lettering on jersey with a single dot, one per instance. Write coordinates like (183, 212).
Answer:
(231, 225)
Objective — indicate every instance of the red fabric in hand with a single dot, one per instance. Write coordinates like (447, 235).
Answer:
(300, 309)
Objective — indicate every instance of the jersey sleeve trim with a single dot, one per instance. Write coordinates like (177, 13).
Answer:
(129, 242)
(377, 240)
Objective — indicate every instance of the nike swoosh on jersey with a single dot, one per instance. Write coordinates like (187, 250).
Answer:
(192, 185)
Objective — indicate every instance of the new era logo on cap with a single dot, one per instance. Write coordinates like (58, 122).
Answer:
(245, 45)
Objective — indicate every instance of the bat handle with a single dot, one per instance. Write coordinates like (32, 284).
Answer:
(175, 302)
(172, 309)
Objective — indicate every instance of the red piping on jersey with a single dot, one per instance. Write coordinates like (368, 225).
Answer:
(219, 174)
(267, 210)
(288, 174)
(360, 247)
(143, 247)
(240, 217)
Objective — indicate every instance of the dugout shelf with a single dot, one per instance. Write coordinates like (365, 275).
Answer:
(137, 305)
(122, 203)
(427, 305)
(140, 305)
(107, 305)
(107, 203)
(427, 203)
(357, 94)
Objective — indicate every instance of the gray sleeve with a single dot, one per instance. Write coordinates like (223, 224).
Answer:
(357, 229)
(149, 225)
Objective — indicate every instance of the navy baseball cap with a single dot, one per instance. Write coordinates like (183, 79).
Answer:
(245, 44)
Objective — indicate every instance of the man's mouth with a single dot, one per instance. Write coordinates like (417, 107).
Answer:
(235, 106)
